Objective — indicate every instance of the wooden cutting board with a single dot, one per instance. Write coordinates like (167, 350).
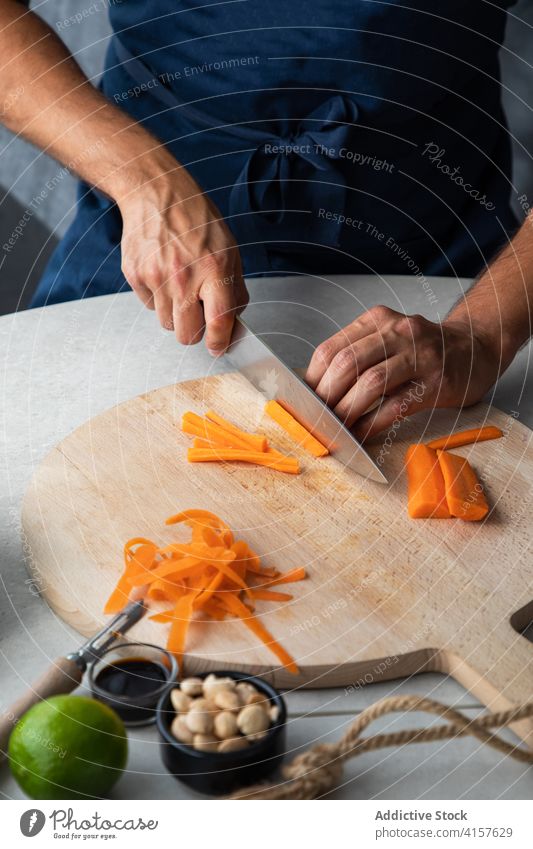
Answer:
(386, 596)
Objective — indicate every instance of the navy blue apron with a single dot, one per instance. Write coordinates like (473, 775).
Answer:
(335, 136)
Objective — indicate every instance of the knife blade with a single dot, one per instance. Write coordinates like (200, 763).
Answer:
(254, 359)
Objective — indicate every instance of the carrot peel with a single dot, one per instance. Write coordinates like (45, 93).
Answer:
(213, 576)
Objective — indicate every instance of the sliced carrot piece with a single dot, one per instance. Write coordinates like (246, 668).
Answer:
(426, 492)
(209, 575)
(464, 492)
(295, 429)
(165, 591)
(466, 437)
(214, 455)
(210, 590)
(214, 610)
(239, 609)
(136, 564)
(180, 625)
(230, 573)
(256, 441)
(174, 568)
(267, 595)
(290, 577)
(197, 426)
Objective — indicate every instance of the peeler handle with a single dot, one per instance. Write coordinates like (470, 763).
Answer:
(62, 676)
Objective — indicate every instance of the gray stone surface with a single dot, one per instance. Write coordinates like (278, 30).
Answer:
(63, 364)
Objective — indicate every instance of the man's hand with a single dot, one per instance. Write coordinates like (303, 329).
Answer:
(180, 258)
(178, 254)
(396, 365)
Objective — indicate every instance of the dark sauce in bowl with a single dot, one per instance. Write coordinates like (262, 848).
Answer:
(127, 685)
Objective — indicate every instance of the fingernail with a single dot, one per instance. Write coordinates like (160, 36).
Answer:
(214, 353)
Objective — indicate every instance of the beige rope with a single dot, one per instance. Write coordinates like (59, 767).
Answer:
(319, 769)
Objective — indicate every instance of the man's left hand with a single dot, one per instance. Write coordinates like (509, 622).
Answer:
(395, 365)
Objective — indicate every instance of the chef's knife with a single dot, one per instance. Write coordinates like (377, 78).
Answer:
(260, 365)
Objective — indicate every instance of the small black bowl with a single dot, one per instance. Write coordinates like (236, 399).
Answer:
(215, 773)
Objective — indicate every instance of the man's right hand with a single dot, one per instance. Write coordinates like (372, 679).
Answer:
(181, 259)
(177, 252)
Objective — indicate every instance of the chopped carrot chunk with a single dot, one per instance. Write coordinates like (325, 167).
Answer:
(464, 492)
(426, 494)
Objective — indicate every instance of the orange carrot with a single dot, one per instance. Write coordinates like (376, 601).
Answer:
(287, 578)
(256, 441)
(180, 625)
(213, 611)
(258, 458)
(464, 492)
(466, 437)
(295, 429)
(239, 609)
(204, 443)
(136, 565)
(426, 493)
(267, 595)
(175, 569)
(213, 576)
(205, 429)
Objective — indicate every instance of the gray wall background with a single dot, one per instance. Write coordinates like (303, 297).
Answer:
(24, 170)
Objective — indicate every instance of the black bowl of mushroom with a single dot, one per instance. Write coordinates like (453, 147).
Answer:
(221, 731)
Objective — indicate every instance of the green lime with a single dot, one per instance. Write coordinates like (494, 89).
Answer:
(68, 747)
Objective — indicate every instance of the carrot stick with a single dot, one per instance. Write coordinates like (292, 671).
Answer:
(466, 437)
(295, 429)
(205, 429)
(259, 458)
(256, 441)
(426, 492)
(236, 606)
(464, 492)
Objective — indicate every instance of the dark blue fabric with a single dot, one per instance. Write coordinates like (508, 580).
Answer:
(332, 135)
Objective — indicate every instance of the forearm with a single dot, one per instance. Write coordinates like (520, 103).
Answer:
(499, 305)
(58, 109)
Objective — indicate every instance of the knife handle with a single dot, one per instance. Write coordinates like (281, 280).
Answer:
(62, 676)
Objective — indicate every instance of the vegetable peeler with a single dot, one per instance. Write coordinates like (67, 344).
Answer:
(65, 673)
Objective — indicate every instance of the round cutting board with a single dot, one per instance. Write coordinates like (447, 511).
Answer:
(386, 596)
